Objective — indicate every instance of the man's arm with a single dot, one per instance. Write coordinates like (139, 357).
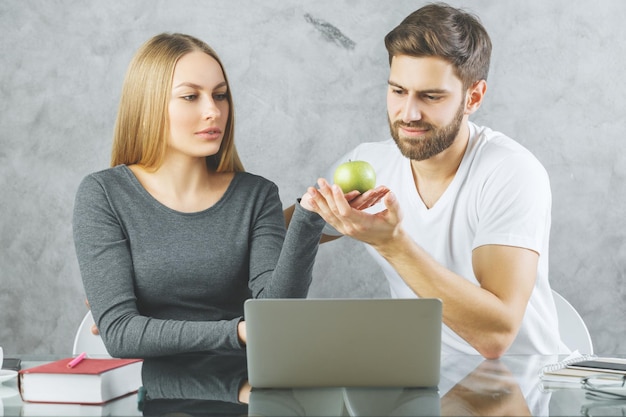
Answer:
(488, 316)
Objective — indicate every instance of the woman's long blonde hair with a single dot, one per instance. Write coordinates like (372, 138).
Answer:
(142, 127)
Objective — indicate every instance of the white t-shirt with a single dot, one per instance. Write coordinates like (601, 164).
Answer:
(499, 195)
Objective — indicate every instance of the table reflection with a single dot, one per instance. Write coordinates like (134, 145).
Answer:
(505, 387)
(195, 385)
(217, 385)
(489, 390)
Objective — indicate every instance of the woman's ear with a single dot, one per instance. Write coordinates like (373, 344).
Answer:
(475, 95)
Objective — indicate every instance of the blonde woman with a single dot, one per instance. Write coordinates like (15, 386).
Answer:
(175, 236)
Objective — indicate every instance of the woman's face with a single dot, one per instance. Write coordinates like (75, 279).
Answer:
(198, 108)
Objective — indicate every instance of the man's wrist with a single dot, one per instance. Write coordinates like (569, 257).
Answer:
(396, 244)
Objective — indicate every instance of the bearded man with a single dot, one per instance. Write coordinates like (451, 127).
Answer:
(466, 210)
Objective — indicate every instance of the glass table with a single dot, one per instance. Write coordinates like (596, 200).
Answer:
(216, 384)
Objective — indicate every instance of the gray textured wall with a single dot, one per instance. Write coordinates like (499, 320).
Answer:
(309, 81)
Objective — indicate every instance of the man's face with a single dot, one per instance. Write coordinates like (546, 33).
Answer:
(426, 105)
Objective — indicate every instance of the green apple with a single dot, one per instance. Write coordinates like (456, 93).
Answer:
(355, 175)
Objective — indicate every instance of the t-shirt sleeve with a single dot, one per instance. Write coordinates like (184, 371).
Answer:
(515, 205)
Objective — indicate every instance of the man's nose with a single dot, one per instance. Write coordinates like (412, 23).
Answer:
(411, 111)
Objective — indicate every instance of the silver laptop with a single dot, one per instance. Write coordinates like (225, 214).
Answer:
(343, 342)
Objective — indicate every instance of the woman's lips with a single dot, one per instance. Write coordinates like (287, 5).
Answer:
(211, 133)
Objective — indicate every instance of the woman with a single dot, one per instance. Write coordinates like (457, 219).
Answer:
(175, 236)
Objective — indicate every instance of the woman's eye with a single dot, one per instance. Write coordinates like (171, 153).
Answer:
(220, 97)
(190, 97)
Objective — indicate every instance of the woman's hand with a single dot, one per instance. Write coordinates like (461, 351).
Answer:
(241, 332)
(244, 392)
(94, 328)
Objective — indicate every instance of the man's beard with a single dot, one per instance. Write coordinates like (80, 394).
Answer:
(436, 140)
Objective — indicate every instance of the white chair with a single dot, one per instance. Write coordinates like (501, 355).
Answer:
(572, 328)
(87, 342)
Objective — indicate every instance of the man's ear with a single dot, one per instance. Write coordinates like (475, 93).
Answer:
(475, 95)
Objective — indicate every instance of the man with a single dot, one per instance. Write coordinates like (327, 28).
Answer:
(467, 218)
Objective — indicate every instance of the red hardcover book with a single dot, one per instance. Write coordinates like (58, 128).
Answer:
(92, 381)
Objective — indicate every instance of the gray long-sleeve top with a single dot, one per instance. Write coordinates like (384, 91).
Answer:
(162, 282)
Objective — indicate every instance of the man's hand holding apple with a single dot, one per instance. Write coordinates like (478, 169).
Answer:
(347, 216)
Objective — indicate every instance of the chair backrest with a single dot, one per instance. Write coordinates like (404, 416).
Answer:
(87, 342)
(572, 328)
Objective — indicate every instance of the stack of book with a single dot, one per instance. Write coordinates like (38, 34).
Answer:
(570, 372)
